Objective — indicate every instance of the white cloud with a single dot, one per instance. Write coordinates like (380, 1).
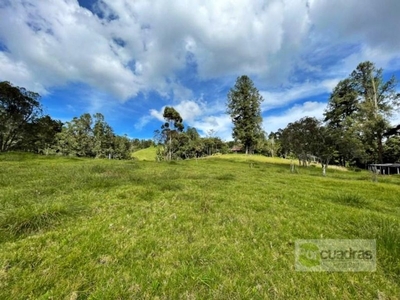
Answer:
(157, 114)
(143, 45)
(221, 124)
(395, 120)
(287, 96)
(189, 110)
(143, 121)
(372, 23)
(140, 45)
(19, 74)
(59, 42)
(295, 113)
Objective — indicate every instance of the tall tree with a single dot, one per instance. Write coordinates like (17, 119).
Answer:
(18, 107)
(243, 106)
(341, 119)
(379, 99)
(359, 110)
(171, 128)
(324, 145)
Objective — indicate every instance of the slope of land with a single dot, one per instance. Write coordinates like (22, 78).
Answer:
(219, 228)
(148, 154)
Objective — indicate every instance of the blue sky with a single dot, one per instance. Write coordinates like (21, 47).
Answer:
(129, 59)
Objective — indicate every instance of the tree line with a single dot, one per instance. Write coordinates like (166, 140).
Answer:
(355, 130)
(23, 127)
(174, 142)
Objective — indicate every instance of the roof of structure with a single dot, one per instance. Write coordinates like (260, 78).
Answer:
(236, 148)
(395, 165)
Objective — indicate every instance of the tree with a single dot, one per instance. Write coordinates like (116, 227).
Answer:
(195, 144)
(76, 137)
(40, 135)
(358, 111)
(243, 106)
(18, 107)
(103, 135)
(121, 149)
(307, 137)
(92, 137)
(300, 138)
(324, 146)
(392, 149)
(171, 128)
(379, 99)
(273, 144)
(341, 119)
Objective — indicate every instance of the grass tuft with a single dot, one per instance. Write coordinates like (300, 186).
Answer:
(388, 238)
(98, 169)
(225, 177)
(28, 220)
(354, 200)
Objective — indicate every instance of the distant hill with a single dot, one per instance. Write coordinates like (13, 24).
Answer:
(148, 154)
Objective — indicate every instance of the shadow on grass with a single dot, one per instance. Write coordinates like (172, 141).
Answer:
(169, 186)
(353, 200)
(147, 195)
(17, 156)
(31, 220)
(225, 177)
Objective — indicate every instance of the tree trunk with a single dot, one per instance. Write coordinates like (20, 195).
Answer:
(170, 146)
(380, 149)
(323, 169)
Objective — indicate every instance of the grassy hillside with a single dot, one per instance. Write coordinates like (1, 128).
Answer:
(211, 228)
(148, 154)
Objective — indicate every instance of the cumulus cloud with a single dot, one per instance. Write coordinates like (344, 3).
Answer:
(298, 111)
(59, 42)
(371, 23)
(18, 73)
(124, 47)
(221, 125)
(297, 92)
(188, 109)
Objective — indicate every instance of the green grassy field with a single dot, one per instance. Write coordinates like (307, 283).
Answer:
(148, 154)
(216, 228)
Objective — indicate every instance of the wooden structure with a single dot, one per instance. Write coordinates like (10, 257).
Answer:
(236, 149)
(385, 169)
